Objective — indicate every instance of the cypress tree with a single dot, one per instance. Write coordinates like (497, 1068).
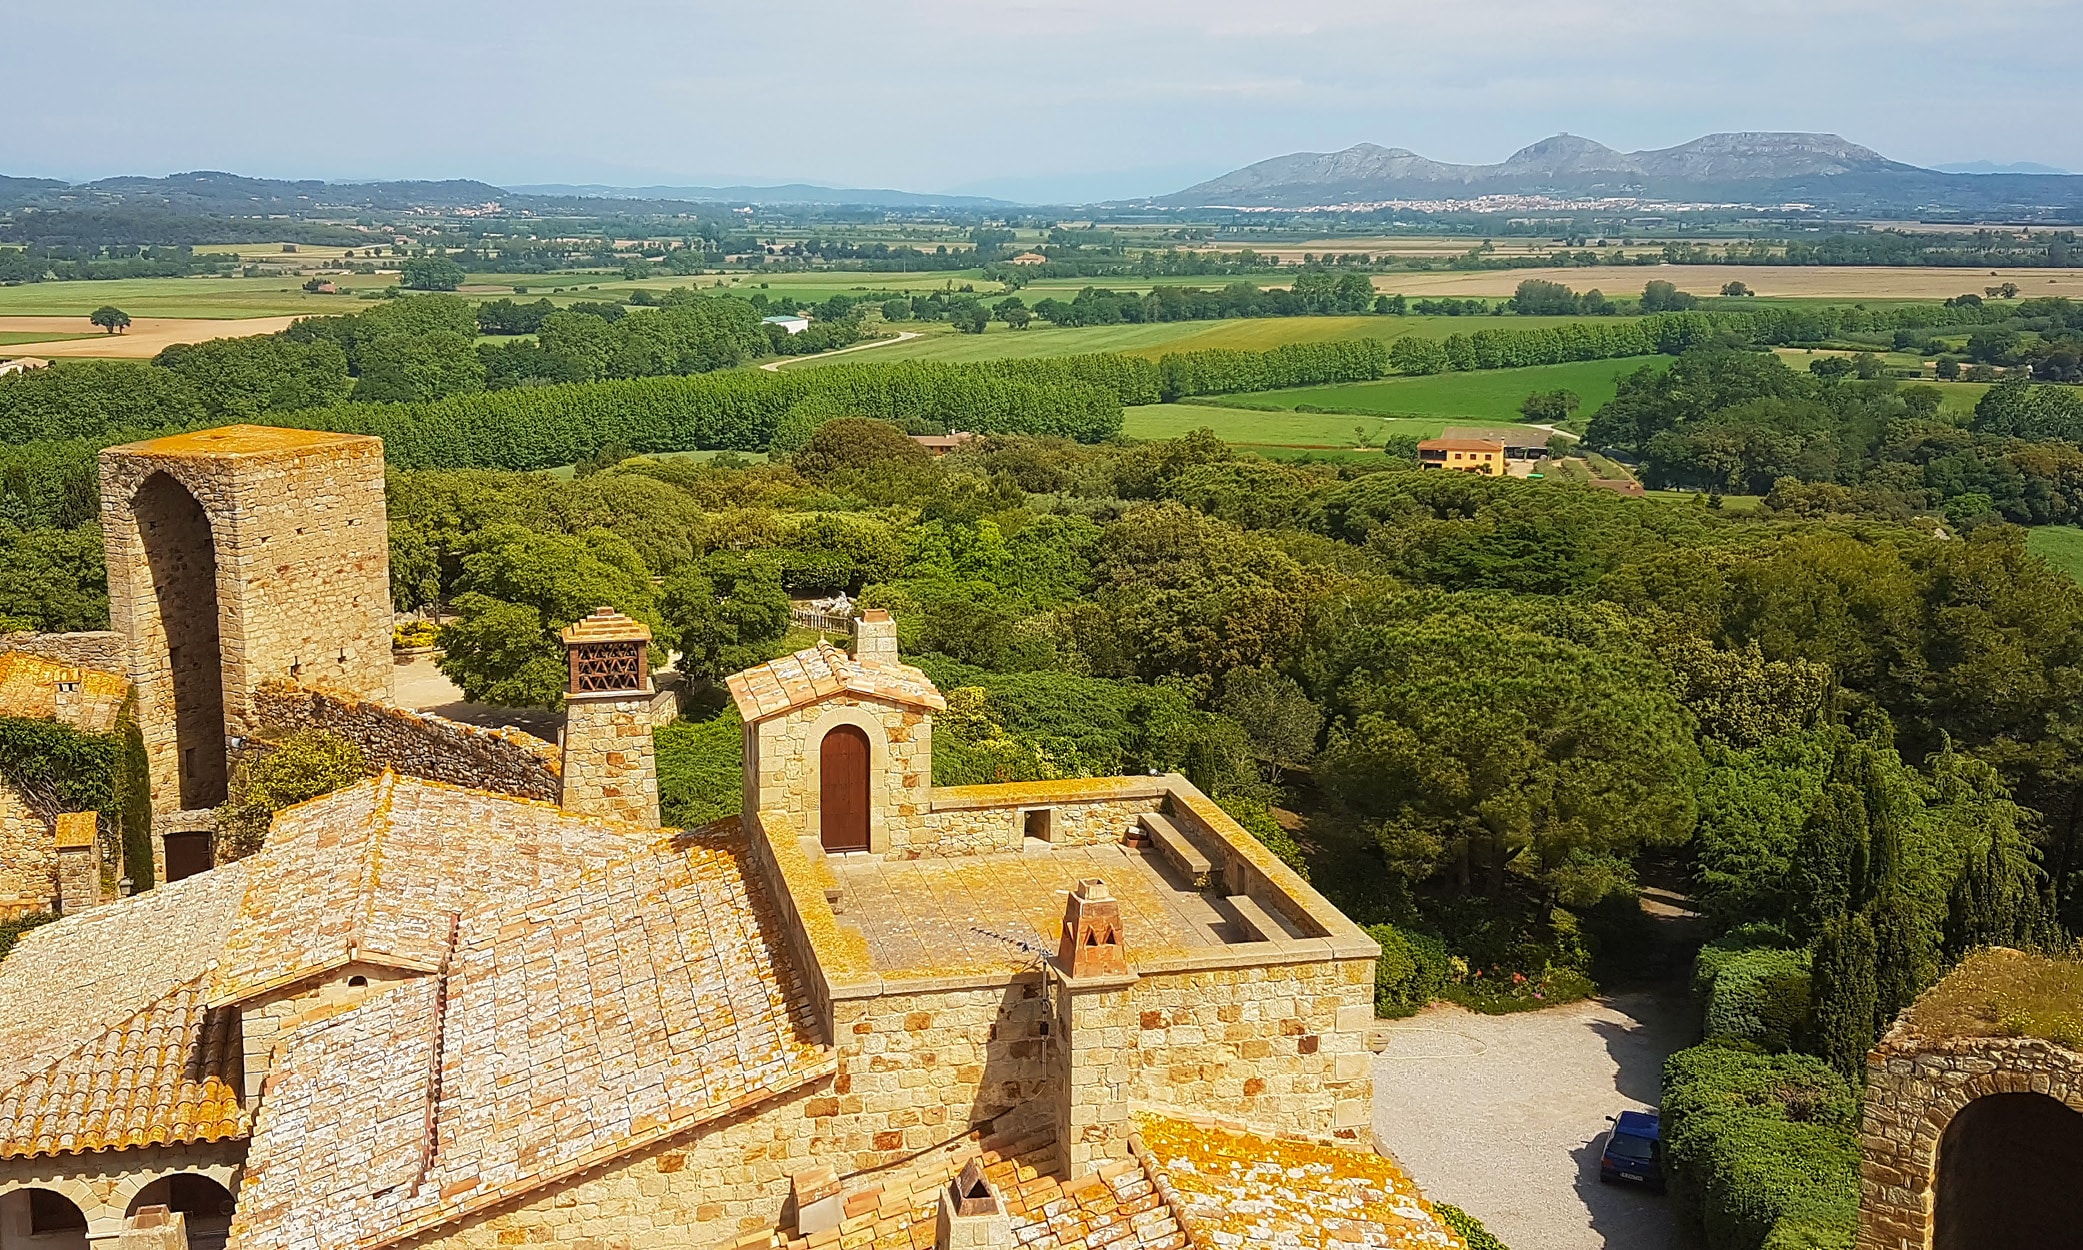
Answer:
(1846, 996)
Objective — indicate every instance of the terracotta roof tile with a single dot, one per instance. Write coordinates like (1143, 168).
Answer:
(568, 1029)
(1237, 1188)
(822, 671)
(170, 1073)
(378, 873)
(66, 984)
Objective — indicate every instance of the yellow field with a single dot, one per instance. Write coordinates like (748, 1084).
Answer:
(1783, 281)
(146, 338)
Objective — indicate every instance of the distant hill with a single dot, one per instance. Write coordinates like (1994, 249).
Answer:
(1991, 167)
(787, 193)
(1757, 167)
(214, 193)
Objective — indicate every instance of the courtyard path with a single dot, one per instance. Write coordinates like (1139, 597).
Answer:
(1502, 1115)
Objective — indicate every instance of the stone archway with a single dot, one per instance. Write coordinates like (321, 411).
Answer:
(2008, 1167)
(45, 1217)
(181, 559)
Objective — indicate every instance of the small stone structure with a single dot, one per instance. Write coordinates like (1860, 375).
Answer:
(79, 862)
(238, 556)
(610, 761)
(1971, 1138)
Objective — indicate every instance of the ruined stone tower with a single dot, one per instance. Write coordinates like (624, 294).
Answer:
(237, 556)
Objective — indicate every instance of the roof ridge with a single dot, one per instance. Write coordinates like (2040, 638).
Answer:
(380, 825)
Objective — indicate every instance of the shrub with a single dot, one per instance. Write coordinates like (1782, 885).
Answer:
(304, 765)
(1752, 992)
(1470, 1228)
(1257, 819)
(1762, 1149)
(1411, 973)
(701, 770)
(11, 931)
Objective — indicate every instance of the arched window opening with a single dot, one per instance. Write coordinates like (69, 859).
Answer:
(843, 790)
(41, 1218)
(2007, 1167)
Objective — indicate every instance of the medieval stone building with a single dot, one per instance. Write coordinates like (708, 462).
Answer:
(481, 1000)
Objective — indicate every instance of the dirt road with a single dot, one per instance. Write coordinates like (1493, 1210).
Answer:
(774, 366)
(146, 338)
(1502, 1115)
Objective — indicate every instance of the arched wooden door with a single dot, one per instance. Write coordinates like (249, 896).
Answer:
(842, 799)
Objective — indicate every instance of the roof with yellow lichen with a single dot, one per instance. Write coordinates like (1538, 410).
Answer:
(818, 673)
(1234, 1187)
(574, 990)
(171, 1073)
(377, 874)
(1190, 1185)
(241, 440)
(566, 1030)
(30, 688)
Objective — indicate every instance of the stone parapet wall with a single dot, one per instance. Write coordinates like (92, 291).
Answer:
(416, 744)
(1914, 1088)
(984, 820)
(101, 650)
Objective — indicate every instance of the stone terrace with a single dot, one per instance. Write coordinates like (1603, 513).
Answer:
(945, 917)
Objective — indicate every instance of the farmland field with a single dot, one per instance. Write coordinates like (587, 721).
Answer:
(940, 342)
(1793, 281)
(146, 338)
(175, 297)
(2059, 545)
(1269, 429)
(1487, 395)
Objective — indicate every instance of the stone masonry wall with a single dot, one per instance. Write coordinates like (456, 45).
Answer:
(920, 1069)
(1912, 1094)
(506, 761)
(28, 857)
(610, 759)
(302, 568)
(102, 650)
(702, 1189)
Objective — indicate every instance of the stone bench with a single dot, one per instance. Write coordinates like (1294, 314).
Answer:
(1183, 855)
(1259, 924)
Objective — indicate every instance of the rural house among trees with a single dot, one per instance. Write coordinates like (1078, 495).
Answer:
(480, 999)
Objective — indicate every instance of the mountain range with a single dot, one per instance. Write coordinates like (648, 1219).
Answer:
(1750, 167)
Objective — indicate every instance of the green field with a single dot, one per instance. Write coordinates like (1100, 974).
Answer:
(1250, 428)
(1000, 342)
(2059, 545)
(173, 297)
(1486, 395)
(12, 337)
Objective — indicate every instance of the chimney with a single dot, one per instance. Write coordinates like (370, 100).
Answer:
(1091, 945)
(819, 1200)
(152, 1228)
(971, 1215)
(875, 637)
(610, 762)
(79, 862)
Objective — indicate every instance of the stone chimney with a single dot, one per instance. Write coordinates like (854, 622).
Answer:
(610, 763)
(79, 862)
(972, 1217)
(875, 637)
(153, 1228)
(1091, 945)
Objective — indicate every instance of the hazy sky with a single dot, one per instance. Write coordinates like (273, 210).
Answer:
(1037, 99)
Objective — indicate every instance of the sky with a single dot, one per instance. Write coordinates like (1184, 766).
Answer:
(1042, 100)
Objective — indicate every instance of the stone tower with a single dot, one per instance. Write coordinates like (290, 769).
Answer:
(238, 556)
(610, 762)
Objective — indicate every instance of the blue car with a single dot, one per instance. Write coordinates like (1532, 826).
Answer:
(1634, 1151)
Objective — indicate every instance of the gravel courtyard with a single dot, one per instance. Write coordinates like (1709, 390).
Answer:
(1501, 1115)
